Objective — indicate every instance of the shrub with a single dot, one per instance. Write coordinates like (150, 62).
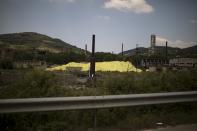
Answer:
(6, 63)
(35, 83)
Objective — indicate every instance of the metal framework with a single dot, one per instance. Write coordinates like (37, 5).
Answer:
(93, 102)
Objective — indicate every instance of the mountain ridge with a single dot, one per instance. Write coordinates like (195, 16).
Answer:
(160, 50)
(37, 41)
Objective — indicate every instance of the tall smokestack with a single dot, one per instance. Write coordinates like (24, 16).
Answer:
(136, 49)
(166, 48)
(153, 40)
(122, 48)
(92, 59)
(152, 43)
(166, 51)
(86, 49)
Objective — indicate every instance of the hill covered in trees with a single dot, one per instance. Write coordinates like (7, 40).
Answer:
(161, 51)
(30, 46)
(31, 40)
(37, 47)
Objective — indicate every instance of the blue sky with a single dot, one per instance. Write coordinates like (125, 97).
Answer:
(112, 21)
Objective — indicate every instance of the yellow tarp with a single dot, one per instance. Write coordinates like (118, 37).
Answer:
(119, 66)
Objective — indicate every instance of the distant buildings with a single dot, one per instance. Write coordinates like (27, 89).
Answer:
(147, 62)
(156, 64)
(183, 62)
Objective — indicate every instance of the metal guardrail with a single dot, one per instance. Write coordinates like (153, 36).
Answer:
(93, 102)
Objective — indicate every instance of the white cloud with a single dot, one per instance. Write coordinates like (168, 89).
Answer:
(137, 6)
(160, 41)
(193, 21)
(183, 44)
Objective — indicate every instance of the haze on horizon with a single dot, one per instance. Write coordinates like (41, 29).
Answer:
(113, 21)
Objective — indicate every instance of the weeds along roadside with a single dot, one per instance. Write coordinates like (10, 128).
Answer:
(36, 83)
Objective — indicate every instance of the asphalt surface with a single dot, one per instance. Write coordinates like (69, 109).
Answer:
(192, 127)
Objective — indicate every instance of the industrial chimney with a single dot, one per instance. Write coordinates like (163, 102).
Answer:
(152, 44)
(122, 49)
(86, 49)
(166, 49)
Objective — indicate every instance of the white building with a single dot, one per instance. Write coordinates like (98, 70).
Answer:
(183, 62)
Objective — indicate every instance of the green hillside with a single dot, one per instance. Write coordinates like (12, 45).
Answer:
(31, 40)
(160, 51)
(30, 46)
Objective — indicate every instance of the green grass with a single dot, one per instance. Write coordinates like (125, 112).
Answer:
(37, 83)
(147, 82)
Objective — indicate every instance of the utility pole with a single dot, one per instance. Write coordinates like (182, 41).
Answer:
(166, 52)
(136, 57)
(92, 75)
(92, 58)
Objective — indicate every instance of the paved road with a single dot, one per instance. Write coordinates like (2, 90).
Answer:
(192, 127)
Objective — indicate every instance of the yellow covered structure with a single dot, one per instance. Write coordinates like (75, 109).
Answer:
(119, 66)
